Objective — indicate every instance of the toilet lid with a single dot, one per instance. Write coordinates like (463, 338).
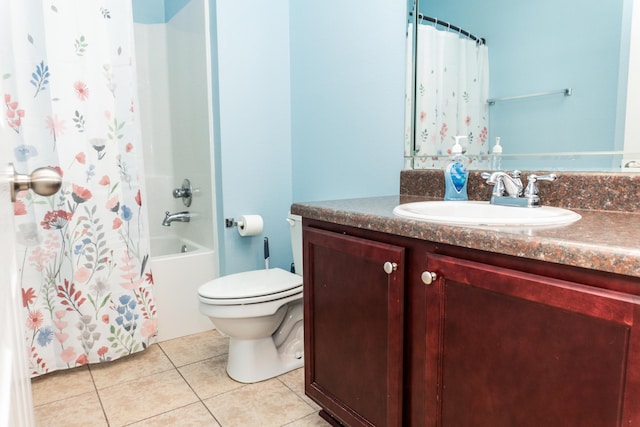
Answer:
(250, 284)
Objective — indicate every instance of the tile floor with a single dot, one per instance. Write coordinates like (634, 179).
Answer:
(181, 382)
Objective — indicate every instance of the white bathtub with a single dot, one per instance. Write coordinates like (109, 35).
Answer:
(177, 275)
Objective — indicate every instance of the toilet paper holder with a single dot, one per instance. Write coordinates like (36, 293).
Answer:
(248, 225)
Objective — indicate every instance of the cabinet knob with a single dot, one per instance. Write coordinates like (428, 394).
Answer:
(428, 277)
(390, 267)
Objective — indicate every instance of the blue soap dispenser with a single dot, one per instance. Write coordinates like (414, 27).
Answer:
(455, 174)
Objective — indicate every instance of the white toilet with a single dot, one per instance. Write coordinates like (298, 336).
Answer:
(261, 312)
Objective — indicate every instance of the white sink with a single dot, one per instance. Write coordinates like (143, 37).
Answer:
(484, 213)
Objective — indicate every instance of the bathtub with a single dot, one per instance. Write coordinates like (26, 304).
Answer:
(179, 267)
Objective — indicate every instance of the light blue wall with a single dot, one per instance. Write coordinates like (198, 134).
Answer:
(550, 45)
(254, 128)
(347, 103)
(156, 11)
(308, 104)
(311, 106)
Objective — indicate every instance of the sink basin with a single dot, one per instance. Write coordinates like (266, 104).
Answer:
(484, 213)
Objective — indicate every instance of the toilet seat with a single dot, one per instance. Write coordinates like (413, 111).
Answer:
(250, 287)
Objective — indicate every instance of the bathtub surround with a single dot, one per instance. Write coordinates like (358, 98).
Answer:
(180, 266)
(71, 103)
(177, 139)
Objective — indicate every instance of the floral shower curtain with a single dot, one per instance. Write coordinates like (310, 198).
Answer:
(452, 88)
(67, 77)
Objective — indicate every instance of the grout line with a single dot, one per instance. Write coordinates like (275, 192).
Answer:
(199, 399)
(57, 373)
(167, 356)
(161, 413)
(190, 386)
(95, 388)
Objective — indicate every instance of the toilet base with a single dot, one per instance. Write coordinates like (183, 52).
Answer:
(253, 360)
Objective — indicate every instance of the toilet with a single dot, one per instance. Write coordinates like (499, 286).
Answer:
(261, 312)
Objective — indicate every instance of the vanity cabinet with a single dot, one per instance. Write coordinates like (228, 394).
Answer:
(520, 349)
(353, 318)
(457, 337)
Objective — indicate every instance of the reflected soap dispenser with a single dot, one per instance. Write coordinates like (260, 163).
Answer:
(455, 174)
(496, 156)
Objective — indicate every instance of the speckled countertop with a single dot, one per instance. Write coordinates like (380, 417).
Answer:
(601, 240)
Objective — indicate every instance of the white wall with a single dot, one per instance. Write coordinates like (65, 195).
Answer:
(189, 94)
(153, 92)
(174, 90)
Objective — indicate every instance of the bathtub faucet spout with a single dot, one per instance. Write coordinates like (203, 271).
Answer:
(178, 216)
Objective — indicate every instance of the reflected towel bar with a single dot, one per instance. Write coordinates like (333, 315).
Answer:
(566, 92)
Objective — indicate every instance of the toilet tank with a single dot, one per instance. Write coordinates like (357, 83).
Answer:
(295, 228)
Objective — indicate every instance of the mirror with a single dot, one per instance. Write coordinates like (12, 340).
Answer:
(547, 47)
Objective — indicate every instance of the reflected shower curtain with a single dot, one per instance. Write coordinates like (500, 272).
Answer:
(67, 77)
(452, 88)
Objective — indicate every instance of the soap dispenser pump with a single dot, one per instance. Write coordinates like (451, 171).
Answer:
(455, 174)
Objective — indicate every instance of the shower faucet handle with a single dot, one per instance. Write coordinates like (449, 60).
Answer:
(185, 193)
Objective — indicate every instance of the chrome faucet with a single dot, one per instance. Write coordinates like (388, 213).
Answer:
(503, 182)
(178, 216)
(508, 189)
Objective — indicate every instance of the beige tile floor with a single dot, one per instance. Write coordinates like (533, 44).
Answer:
(181, 382)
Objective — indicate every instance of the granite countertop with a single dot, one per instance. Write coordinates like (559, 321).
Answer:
(601, 240)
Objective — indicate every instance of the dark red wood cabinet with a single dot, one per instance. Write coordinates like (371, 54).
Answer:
(353, 314)
(491, 341)
(518, 349)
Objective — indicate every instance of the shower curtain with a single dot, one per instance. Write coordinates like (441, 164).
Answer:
(67, 77)
(452, 88)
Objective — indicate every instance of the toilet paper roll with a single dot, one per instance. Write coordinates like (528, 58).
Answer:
(250, 225)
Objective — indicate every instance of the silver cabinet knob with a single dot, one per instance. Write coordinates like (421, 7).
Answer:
(43, 181)
(428, 277)
(390, 267)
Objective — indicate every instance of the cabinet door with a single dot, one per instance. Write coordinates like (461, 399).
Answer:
(353, 315)
(521, 350)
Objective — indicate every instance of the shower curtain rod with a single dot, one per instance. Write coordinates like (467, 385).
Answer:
(479, 40)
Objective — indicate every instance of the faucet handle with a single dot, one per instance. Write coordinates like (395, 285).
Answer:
(185, 193)
(532, 187)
